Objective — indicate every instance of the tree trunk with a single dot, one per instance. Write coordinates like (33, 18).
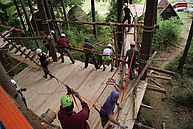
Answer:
(28, 22)
(20, 15)
(53, 17)
(93, 17)
(184, 56)
(33, 17)
(64, 11)
(148, 30)
(120, 29)
(42, 10)
(49, 16)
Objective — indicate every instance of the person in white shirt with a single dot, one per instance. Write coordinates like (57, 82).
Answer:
(107, 57)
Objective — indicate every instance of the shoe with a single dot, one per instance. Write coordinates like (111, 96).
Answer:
(45, 76)
(131, 78)
(73, 62)
(110, 126)
(104, 68)
(112, 69)
(51, 76)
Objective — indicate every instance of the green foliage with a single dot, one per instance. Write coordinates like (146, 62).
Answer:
(68, 3)
(147, 120)
(146, 100)
(168, 32)
(112, 16)
(189, 126)
(188, 67)
(185, 98)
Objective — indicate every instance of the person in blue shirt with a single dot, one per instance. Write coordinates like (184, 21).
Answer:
(106, 111)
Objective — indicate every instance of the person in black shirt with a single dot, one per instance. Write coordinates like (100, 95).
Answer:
(128, 15)
(44, 63)
(87, 47)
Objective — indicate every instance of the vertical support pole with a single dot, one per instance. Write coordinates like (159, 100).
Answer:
(185, 53)
(93, 17)
(120, 29)
(147, 34)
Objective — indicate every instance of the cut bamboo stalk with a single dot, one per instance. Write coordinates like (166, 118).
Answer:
(162, 70)
(160, 77)
(140, 125)
(146, 106)
(155, 82)
(155, 88)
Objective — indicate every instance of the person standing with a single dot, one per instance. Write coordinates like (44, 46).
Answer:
(47, 40)
(88, 47)
(63, 46)
(68, 118)
(44, 63)
(106, 112)
(128, 14)
(128, 58)
(107, 57)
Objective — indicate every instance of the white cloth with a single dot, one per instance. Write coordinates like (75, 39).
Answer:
(107, 52)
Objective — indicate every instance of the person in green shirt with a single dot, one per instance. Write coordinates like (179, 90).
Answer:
(129, 59)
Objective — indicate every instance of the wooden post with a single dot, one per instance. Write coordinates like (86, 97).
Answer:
(93, 17)
(120, 29)
(148, 29)
(184, 56)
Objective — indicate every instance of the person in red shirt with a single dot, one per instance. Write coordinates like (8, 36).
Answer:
(68, 118)
(63, 45)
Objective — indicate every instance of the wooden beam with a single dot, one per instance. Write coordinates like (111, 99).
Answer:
(95, 23)
(155, 82)
(159, 76)
(140, 125)
(162, 70)
(146, 106)
(155, 88)
(15, 38)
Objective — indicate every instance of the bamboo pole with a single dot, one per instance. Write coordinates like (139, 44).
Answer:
(140, 125)
(155, 82)
(162, 70)
(159, 77)
(146, 106)
(95, 23)
(155, 88)
(30, 38)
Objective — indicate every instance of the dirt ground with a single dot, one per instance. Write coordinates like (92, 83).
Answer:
(164, 110)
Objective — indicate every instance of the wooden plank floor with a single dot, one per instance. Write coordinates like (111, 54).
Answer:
(44, 93)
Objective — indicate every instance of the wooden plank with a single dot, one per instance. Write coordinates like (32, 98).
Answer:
(159, 76)
(146, 106)
(156, 88)
(162, 70)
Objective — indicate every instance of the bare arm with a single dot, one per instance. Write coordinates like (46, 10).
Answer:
(111, 118)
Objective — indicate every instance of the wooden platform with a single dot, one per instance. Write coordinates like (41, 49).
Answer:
(44, 93)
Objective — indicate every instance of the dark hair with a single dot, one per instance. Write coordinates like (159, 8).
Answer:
(69, 108)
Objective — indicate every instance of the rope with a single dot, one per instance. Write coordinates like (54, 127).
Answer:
(133, 52)
(9, 27)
